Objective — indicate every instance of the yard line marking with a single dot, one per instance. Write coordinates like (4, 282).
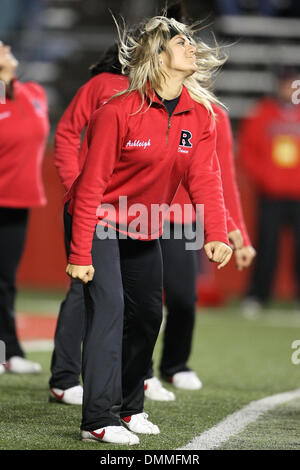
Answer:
(38, 345)
(237, 421)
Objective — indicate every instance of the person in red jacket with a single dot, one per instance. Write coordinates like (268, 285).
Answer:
(24, 129)
(138, 151)
(269, 150)
(69, 158)
(179, 264)
(180, 291)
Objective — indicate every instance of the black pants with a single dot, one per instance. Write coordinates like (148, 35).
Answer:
(13, 225)
(125, 294)
(66, 357)
(127, 280)
(180, 275)
(273, 215)
(180, 272)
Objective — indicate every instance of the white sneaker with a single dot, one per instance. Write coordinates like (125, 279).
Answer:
(112, 434)
(251, 308)
(20, 365)
(69, 396)
(139, 423)
(187, 380)
(154, 390)
(2, 369)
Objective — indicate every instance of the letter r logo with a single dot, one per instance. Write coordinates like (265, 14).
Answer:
(185, 139)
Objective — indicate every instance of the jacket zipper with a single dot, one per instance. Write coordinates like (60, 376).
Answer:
(169, 123)
(169, 126)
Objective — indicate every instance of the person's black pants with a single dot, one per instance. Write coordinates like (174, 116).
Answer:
(273, 215)
(180, 272)
(13, 226)
(66, 357)
(180, 275)
(127, 280)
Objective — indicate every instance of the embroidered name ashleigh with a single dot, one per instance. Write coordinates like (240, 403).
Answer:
(139, 143)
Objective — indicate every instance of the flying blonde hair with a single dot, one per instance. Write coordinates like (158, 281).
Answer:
(139, 58)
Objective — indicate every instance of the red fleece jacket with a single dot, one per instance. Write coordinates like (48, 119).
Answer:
(143, 154)
(269, 148)
(24, 129)
(69, 159)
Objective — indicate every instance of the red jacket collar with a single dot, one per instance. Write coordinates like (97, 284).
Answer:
(186, 103)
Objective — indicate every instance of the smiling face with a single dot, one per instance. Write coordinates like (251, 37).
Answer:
(180, 57)
(8, 63)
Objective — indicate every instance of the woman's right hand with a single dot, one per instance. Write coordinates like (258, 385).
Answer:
(82, 273)
(218, 252)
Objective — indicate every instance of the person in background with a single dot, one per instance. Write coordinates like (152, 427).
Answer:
(66, 358)
(180, 266)
(24, 129)
(269, 151)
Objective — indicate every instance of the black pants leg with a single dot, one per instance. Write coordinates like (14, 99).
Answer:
(293, 211)
(180, 273)
(13, 226)
(66, 357)
(271, 218)
(130, 271)
(102, 342)
(141, 266)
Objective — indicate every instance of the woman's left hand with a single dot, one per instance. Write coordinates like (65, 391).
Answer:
(83, 273)
(244, 257)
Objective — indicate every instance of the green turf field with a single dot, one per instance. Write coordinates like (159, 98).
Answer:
(238, 361)
(277, 429)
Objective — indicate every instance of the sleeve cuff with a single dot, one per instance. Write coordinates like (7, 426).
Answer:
(80, 260)
(217, 237)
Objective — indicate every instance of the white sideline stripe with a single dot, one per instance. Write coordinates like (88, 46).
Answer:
(236, 422)
(38, 345)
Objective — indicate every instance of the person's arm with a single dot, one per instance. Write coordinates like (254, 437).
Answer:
(244, 254)
(226, 160)
(69, 130)
(203, 183)
(104, 136)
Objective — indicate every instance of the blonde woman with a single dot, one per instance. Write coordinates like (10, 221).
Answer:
(139, 146)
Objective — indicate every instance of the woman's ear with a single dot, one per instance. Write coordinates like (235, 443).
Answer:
(161, 57)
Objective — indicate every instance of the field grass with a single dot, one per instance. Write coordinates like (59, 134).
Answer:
(238, 361)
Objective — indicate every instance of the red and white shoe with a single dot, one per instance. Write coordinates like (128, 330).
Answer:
(140, 424)
(69, 396)
(111, 434)
(154, 390)
(2, 369)
(20, 365)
